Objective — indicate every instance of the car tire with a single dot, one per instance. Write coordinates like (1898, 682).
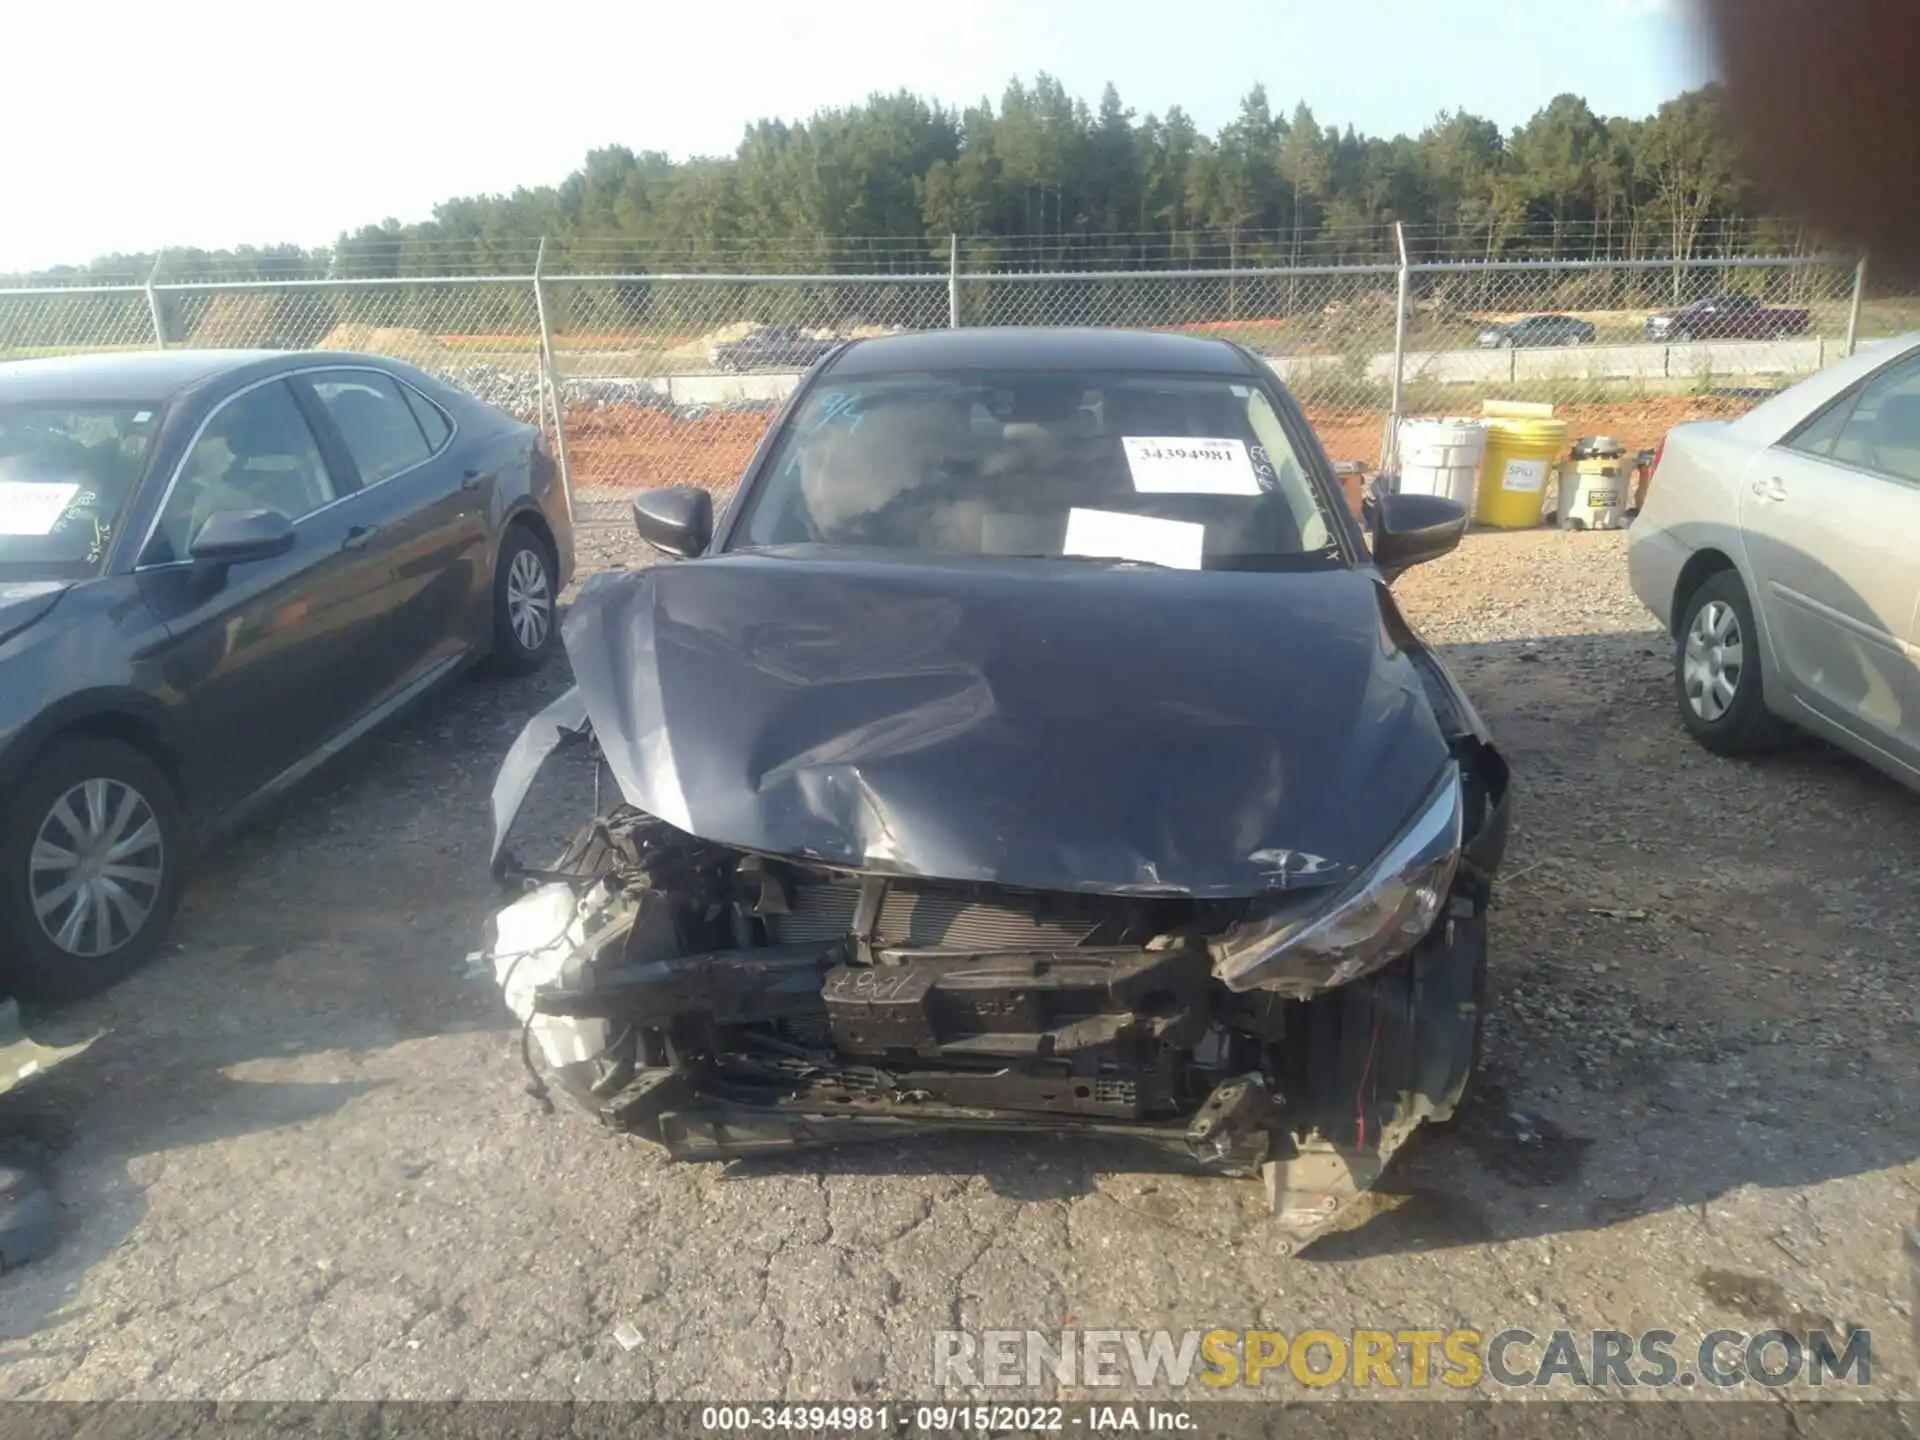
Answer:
(526, 615)
(1569, 340)
(87, 793)
(1684, 337)
(1720, 695)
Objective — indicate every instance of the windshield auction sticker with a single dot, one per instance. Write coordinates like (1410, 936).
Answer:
(28, 508)
(1179, 465)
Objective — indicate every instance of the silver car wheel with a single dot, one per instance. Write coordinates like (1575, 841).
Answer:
(1714, 660)
(529, 600)
(97, 867)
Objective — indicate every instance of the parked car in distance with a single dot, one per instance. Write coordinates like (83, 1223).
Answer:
(218, 568)
(1036, 745)
(771, 347)
(1535, 331)
(1727, 317)
(1782, 551)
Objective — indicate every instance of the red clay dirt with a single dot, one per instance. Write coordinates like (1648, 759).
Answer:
(626, 447)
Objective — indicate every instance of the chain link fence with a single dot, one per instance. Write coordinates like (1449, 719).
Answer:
(645, 380)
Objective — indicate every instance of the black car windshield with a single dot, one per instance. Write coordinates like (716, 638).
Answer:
(1185, 471)
(67, 475)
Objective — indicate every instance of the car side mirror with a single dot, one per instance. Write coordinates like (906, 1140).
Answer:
(1408, 530)
(234, 537)
(676, 520)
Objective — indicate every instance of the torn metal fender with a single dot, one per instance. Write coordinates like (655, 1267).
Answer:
(562, 722)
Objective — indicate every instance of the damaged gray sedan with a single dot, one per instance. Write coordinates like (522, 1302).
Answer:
(1034, 746)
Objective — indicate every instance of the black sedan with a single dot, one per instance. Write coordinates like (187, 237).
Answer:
(1537, 331)
(1036, 745)
(217, 569)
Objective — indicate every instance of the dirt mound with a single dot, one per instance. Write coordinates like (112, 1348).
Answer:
(236, 320)
(396, 340)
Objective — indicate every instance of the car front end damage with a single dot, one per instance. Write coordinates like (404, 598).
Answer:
(722, 1001)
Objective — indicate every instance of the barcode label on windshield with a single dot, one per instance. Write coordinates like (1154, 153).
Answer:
(28, 508)
(1182, 465)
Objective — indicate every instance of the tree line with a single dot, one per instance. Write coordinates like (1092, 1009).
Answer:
(1043, 180)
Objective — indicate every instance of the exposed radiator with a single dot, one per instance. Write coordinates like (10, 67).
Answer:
(818, 913)
(937, 919)
(926, 918)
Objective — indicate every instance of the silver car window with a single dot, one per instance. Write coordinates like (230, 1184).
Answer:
(1882, 432)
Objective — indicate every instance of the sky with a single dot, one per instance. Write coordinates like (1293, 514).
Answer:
(213, 123)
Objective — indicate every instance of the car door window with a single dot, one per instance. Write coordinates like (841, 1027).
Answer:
(256, 453)
(1882, 432)
(1816, 437)
(377, 425)
(433, 420)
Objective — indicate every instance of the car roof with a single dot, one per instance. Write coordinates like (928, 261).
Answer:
(1016, 347)
(130, 375)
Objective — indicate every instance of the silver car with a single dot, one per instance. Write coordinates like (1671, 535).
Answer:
(1782, 552)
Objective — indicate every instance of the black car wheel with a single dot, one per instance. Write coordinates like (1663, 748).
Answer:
(525, 605)
(1716, 671)
(1683, 335)
(92, 845)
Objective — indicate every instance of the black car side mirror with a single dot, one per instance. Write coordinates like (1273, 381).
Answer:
(676, 521)
(233, 537)
(1409, 530)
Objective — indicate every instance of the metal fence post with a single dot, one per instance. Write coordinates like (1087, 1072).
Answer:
(550, 374)
(153, 303)
(1390, 446)
(1853, 311)
(953, 282)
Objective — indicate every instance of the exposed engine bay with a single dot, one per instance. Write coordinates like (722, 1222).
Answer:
(723, 1003)
(871, 876)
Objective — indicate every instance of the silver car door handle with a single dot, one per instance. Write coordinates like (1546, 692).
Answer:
(1770, 488)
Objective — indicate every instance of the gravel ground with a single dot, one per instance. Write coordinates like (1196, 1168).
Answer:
(296, 1161)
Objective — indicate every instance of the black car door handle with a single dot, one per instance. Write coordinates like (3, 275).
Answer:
(471, 480)
(358, 537)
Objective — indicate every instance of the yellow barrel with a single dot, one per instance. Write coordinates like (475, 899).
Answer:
(1513, 477)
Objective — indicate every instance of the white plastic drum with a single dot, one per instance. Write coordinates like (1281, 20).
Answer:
(1442, 457)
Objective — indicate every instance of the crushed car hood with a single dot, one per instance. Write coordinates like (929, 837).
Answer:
(1043, 726)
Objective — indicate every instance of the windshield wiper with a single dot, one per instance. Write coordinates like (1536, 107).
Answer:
(1089, 559)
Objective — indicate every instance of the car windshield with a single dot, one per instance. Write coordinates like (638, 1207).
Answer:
(1183, 471)
(67, 473)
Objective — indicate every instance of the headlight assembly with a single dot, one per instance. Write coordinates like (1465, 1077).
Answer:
(1376, 919)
